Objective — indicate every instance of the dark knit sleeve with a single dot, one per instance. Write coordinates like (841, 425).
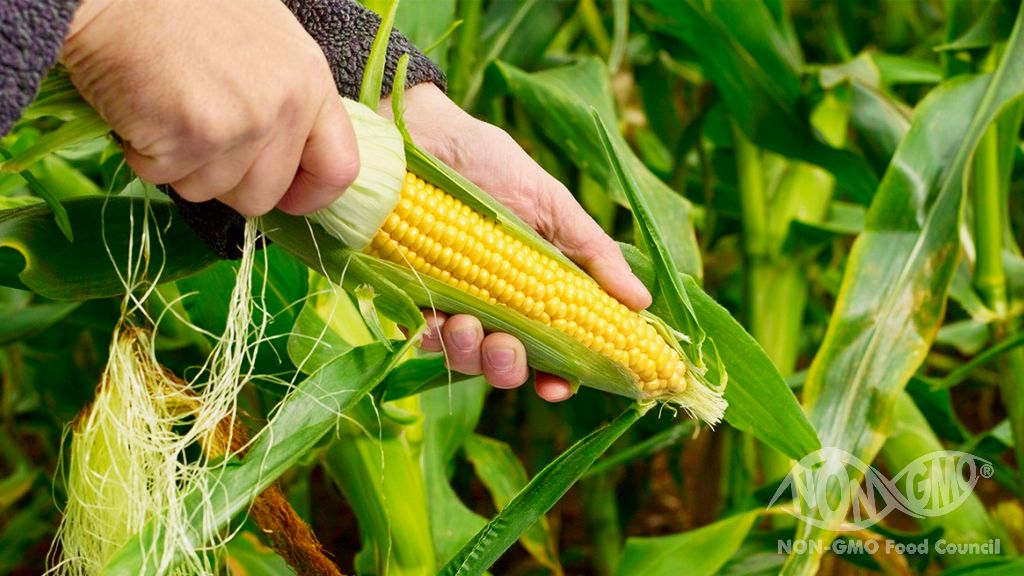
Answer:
(31, 35)
(345, 31)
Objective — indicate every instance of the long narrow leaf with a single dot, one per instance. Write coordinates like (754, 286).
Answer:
(759, 400)
(503, 474)
(546, 488)
(696, 553)
(765, 108)
(373, 77)
(61, 270)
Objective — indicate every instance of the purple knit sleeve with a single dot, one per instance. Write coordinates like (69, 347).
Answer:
(31, 35)
(345, 31)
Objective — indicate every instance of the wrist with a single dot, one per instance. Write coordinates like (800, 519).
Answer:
(434, 121)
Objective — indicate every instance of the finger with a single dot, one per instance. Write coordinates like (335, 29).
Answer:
(462, 335)
(162, 169)
(564, 222)
(431, 339)
(329, 163)
(504, 360)
(268, 178)
(216, 177)
(551, 388)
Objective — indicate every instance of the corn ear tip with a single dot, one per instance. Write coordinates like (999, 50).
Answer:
(701, 400)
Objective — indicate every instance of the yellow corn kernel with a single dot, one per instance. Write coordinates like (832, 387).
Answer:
(439, 236)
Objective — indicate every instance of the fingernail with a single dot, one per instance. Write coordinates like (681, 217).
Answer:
(565, 394)
(464, 339)
(501, 359)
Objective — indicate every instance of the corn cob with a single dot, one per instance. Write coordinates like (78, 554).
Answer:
(396, 216)
(440, 236)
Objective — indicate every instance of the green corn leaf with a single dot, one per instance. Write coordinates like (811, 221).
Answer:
(900, 269)
(70, 133)
(450, 414)
(880, 120)
(17, 484)
(398, 97)
(495, 40)
(22, 322)
(309, 413)
(60, 214)
(964, 371)
(904, 70)
(697, 552)
(364, 297)
(652, 234)
(533, 501)
(427, 25)
(378, 470)
(762, 101)
(373, 75)
(327, 326)
(913, 438)
(994, 25)
(645, 448)
(58, 98)
(35, 255)
(504, 476)
(418, 375)
(760, 402)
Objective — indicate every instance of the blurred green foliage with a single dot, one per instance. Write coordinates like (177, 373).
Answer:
(829, 172)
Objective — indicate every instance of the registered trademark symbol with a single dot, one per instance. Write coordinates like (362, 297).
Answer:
(986, 471)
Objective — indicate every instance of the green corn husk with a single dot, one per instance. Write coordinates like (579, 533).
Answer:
(326, 249)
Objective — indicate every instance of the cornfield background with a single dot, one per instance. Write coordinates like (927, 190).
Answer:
(843, 178)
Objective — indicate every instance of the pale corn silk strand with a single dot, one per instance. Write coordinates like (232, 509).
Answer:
(128, 463)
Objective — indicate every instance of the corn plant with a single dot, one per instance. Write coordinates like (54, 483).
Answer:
(823, 198)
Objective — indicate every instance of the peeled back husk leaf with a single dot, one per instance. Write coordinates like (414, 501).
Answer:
(355, 217)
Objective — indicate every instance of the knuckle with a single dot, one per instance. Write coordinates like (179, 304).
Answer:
(191, 192)
(152, 170)
(249, 205)
(204, 133)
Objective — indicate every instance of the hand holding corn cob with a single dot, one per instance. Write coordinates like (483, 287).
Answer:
(397, 216)
(221, 130)
(490, 158)
(226, 100)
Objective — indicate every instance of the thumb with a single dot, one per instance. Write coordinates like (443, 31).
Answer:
(563, 221)
(329, 163)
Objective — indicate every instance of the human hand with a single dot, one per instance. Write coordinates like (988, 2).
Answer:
(225, 100)
(490, 158)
